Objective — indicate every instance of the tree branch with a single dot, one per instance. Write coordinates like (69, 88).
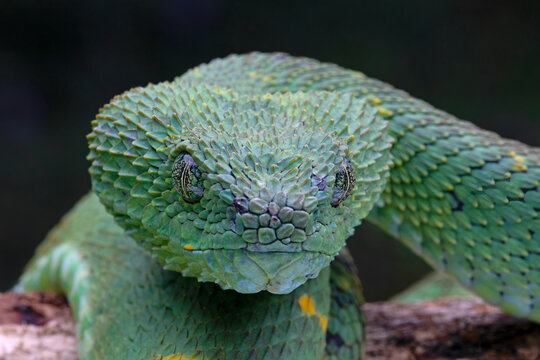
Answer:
(449, 328)
(36, 324)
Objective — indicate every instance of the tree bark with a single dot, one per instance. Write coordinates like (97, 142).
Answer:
(36, 325)
(39, 326)
(448, 328)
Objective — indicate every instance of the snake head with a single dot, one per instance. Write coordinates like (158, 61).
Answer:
(252, 192)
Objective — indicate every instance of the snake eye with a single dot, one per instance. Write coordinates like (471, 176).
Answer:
(344, 183)
(187, 178)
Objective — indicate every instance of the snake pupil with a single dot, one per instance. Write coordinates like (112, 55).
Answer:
(187, 178)
(344, 183)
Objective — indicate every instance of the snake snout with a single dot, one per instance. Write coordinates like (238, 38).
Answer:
(281, 224)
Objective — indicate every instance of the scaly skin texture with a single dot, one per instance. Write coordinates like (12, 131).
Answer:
(265, 200)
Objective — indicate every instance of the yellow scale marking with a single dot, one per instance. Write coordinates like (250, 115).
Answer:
(307, 305)
(176, 356)
(518, 165)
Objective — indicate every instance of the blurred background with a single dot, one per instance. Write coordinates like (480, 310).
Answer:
(61, 60)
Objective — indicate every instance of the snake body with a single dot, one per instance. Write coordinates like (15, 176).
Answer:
(246, 175)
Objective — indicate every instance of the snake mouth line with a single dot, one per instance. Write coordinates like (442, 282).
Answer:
(246, 249)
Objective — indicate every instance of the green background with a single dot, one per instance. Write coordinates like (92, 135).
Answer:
(61, 60)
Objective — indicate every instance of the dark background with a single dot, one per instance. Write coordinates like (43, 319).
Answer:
(61, 60)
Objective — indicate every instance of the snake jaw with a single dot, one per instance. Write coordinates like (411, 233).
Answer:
(271, 245)
(250, 272)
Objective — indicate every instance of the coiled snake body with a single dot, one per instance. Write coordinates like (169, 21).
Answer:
(250, 172)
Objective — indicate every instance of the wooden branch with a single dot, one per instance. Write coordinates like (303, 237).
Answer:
(449, 328)
(36, 325)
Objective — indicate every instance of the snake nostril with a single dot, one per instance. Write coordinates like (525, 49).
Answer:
(240, 204)
(275, 222)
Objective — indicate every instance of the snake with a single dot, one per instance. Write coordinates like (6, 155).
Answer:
(221, 203)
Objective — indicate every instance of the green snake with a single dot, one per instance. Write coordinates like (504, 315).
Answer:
(247, 175)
